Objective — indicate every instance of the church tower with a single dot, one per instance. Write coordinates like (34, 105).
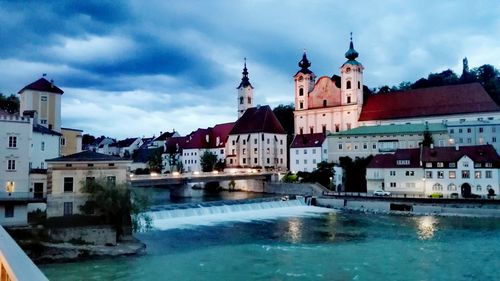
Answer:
(351, 73)
(304, 83)
(245, 92)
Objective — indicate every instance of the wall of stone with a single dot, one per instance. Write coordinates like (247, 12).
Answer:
(96, 235)
(305, 189)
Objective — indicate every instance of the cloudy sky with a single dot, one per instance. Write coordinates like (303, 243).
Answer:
(135, 68)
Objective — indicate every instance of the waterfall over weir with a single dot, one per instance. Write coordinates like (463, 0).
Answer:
(210, 213)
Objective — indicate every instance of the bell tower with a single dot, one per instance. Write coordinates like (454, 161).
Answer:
(351, 73)
(245, 92)
(304, 83)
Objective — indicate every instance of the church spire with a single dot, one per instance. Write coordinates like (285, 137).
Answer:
(351, 54)
(304, 64)
(245, 81)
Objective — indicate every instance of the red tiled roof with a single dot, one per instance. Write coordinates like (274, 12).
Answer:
(478, 153)
(198, 139)
(391, 160)
(258, 120)
(435, 101)
(42, 85)
(308, 140)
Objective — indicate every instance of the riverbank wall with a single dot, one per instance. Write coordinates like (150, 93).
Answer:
(420, 207)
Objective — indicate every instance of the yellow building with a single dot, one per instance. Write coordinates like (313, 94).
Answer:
(71, 141)
(67, 174)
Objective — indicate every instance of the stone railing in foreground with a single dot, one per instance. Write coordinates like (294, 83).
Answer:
(15, 265)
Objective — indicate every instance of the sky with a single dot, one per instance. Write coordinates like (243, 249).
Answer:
(137, 68)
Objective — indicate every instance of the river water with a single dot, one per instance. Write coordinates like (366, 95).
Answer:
(306, 243)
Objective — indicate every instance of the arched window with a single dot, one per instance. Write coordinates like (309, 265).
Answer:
(359, 85)
(478, 188)
(301, 105)
(324, 103)
(241, 100)
(348, 86)
(437, 187)
(301, 130)
(301, 91)
(452, 187)
(348, 99)
(249, 100)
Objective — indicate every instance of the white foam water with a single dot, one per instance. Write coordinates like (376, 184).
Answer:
(245, 212)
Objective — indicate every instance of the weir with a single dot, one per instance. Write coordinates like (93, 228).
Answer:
(209, 213)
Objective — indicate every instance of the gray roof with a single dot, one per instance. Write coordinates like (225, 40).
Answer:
(86, 156)
(43, 130)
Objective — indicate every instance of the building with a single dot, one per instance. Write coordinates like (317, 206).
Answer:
(371, 140)
(475, 132)
(15, 193)
(71, 141)
(457, 170)
(307, 150)
(257, 140)
(67, 174)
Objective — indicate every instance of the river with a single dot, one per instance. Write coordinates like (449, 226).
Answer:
(307, 243)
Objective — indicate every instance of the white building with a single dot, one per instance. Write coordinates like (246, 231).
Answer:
(371, 140)
(306, 151)
(44, 145)
(462, 171)
(15, 191)
(257, 140)
(475, 132)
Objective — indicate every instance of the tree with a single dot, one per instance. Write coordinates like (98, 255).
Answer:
(284, 113)
(355, 173)
(207, 161)
(9, 104)
(116, 204)
(155, 160)
(427, 141)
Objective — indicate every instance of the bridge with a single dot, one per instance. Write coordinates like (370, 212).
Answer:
(182, 179)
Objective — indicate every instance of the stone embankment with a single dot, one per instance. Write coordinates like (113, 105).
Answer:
(417, 206)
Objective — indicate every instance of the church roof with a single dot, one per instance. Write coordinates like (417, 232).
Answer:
(304, 65)
(42, 85)
(435, 101)
(260, 119)
(308, 140)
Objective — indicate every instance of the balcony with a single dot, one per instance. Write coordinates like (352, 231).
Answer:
(23, 197)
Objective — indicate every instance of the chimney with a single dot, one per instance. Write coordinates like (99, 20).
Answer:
(52, 83)
(457, 148)
(432, 146)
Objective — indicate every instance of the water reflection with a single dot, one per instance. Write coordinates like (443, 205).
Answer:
(427, 227)
(294, 231)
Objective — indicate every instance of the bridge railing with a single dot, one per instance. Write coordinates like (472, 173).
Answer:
(15, 265)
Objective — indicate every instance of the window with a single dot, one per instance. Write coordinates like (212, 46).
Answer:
(440, 164)
(68, 184)
(296, 152)
(465, 164)
(301, 131)
(241, 100)
(348, 85)
(440, 174)
(452, 174)
(281, 142)
(255, 141)
(297, 161)
(111, 180)
(340, 146)
(452, 131)
(410, 173)
(305, 151)
(480, 129)
(348, 126)
(393, 184)
(244, 160)
(359, 85)
(244, 142)
(311, 130)
(301, 91)
(68, 208)
(234, 142)
(9, 211)
(392, 173)
(465, 174)
(451, 165)
(374, 146)
(305, 161)
(348, 99)
(314, 161)
(255, 150)
(249, 100)
(11, 165)
(468, 130)
(233, 151)
(428, 165)
(428, 174)
(12, 141)
(268, 141)
(244, 151)
(460, 131)
(410, 185)
(493, 139)
(337, 128)
(487, 174)
(437, 187)
(222, 151)
(314, 151)
(477, 174)
(63, 141)
(268, 150)
(255, 160)
(365, 146)
(43, 98)
(488, 165)
(69, 165)
(324, 103)
(9, 187)
(478, 188)
(42, 147)
(323, 129)
(452, 187)
(111, 164)
(301, 105)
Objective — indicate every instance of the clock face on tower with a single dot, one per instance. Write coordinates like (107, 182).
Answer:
(347, 70)
(301, 78)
